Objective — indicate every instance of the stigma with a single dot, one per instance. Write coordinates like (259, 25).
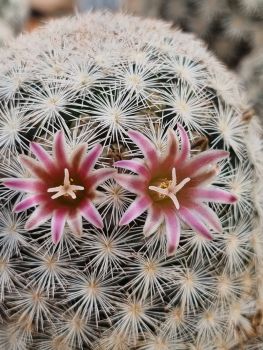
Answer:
(67, 189)
(169, 188)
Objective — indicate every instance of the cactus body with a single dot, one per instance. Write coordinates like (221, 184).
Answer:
(116, 135)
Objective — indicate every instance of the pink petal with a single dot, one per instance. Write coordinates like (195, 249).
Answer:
(173, 230)
(135, 209)
(59, 150)
(212, 194)
(75, 224)
(43, 156)
(172, 150)
(135, 166)
(29, 202)
(153, 221)
(204, 178)
(185, 144)
(194, 222)
(77, 155)
(100, 175)
(57, 224)
(25, 185)
(91, 214)
(91, 158)
(146, 146)
(132, 183)
(208, 216)
(33, 166)
(203, 160)
(39, 216)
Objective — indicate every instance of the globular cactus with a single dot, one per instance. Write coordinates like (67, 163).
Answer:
(131, 192)
(231, 28)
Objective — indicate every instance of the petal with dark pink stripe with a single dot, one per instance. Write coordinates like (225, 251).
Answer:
(146, 146)
(57, 224)
(185, 145)
(132, 183)
(25, 185)
(91, 214)
(42, 156)
(173, 230)
(33, 166)
(208, 216)
(139, 206)
(212, 194)
(90, 159)
(100, 175)
(29, 202)
(75, 224)
(153, 221)
(38, 217)
(135, 166)
(59, 150)
(78, 156)
(203, 160)
(194, 222)
(172, 149)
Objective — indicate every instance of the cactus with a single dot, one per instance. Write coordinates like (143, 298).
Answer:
(232, 29)
(130, 192)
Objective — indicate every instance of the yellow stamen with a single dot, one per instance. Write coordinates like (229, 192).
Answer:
(169, 188)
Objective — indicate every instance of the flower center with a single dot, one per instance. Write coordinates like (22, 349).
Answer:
(164, 184)
(67, 189)
(169, 188)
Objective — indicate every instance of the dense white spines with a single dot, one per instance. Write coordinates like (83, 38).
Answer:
(149, 275)
(135, 316)
(12, 233)
(13, 127)
(193, 287)
(227, 126)
(93, 294)
(192, 107)
(112, 288)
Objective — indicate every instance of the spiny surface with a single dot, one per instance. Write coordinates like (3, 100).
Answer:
(99, 79)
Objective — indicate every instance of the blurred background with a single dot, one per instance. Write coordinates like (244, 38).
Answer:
(232, 29)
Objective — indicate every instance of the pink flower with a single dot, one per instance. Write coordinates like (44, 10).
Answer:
(173, 187)
(63, 187)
